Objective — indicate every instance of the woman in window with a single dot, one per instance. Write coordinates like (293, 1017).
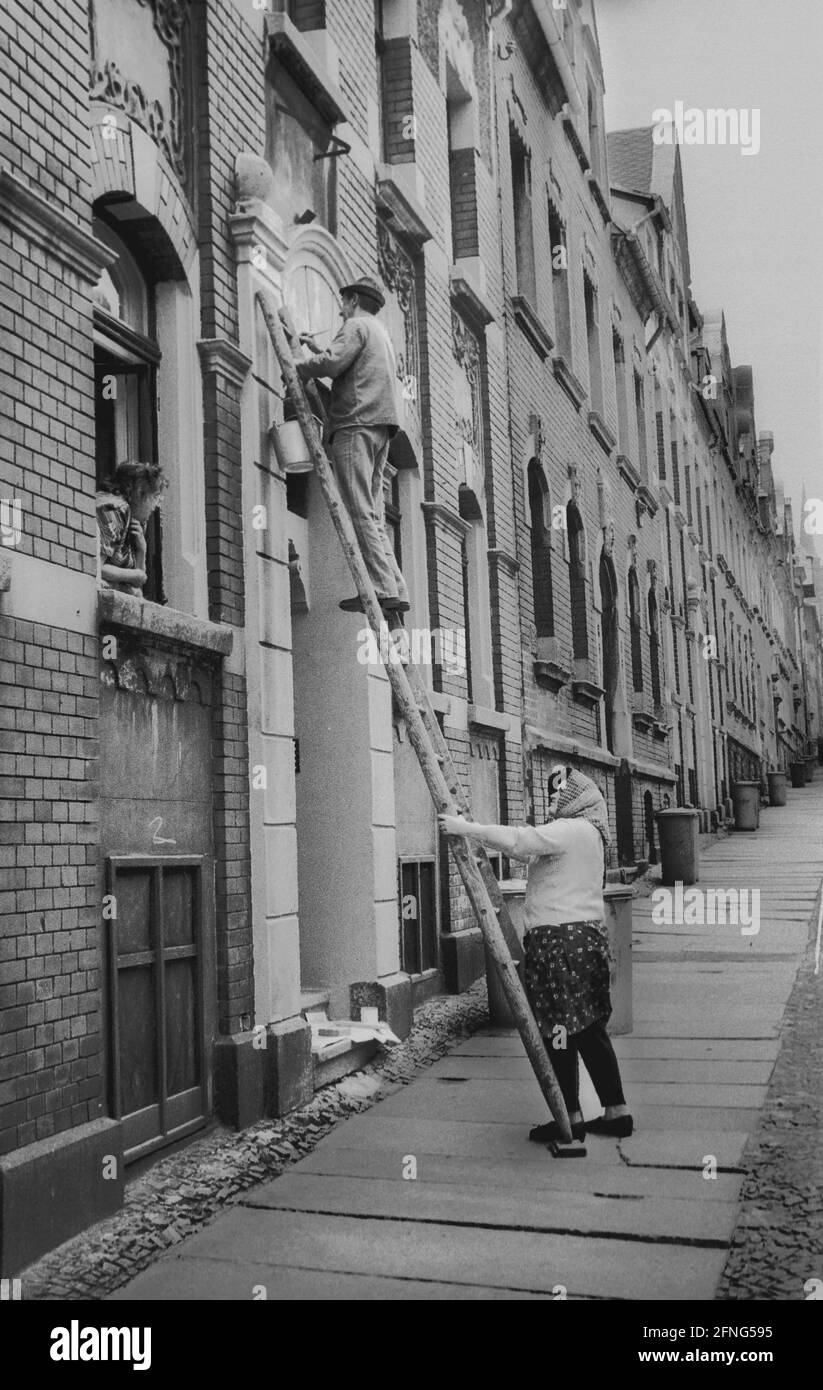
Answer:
(567, 947)
(123, 508)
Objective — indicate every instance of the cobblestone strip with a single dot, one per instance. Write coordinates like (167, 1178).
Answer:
(777, 1246)
(179, 1194)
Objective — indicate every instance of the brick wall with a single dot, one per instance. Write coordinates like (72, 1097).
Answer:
(50, 1038)
(46, 54)
(230, 755)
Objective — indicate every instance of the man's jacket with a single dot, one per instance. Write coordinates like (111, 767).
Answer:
(363, 369)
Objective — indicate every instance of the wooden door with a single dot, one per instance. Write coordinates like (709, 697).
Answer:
(156, 976)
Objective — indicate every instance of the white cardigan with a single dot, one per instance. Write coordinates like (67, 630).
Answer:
(565, 873)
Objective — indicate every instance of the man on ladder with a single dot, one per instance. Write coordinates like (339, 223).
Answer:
(362, 420)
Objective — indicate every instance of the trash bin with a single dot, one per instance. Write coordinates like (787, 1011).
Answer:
(617, 914)
(746, 800)
(797, 772)
(514, 896)
(778, 784)
(809, 770)
(679, 854)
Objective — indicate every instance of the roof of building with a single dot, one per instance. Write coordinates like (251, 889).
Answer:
(631, 158)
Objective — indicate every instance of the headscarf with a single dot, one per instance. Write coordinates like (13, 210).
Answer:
(581, 799)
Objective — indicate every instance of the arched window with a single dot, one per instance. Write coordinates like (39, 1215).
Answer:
(541, 551)
(608, 621)
(577, 581)
(126, 356)
(634, 624)
(654, 647)
(476, 600)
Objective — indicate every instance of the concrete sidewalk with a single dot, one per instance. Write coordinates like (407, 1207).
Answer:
(436, 1193)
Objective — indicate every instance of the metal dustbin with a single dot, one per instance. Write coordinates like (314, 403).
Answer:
(797, 772)
(677, 831)
(746, 801)
(777, 788)
(617, 912)
(514, 896)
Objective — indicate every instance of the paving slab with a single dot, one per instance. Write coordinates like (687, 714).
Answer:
(687, 1148)
(525, 1260)
(689, 1071)
(522, 1101)
(174, 1281)
(635, 1216)
(400, 1136)
(629, 1045)
(589, 1175)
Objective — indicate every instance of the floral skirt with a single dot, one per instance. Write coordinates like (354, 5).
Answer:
(567, 975)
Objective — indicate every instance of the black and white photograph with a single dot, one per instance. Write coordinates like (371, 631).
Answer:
(411, 668)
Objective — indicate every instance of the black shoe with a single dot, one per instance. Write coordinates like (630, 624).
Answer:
(550, 1133)
(619, 1128)
(395, 605)
(352, 605)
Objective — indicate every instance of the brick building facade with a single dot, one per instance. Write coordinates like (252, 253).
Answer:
(212, 819)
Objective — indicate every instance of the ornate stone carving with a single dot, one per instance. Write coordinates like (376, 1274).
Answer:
(466, 350)
(397, 271)
(108, 84)
(152, 673)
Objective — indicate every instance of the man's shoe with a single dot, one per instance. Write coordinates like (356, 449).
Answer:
(618, 1128)
(395, 605)
(352, 605)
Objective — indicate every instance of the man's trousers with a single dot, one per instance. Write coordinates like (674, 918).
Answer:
(360, 456)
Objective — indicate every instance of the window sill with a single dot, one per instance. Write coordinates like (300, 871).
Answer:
(576, 143)
(628, 472)
(599, 197)
(467, 299)
(532, 326)
(647, 499)
(551, 674)
(574, 389)
(585, 692)
(481, 718)
(601, 431)
(403, 212)
(300, 59)
(133, 614)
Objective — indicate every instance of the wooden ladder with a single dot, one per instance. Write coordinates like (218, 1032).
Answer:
(424, 732)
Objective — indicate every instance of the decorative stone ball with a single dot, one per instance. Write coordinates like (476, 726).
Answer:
(253, 177)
